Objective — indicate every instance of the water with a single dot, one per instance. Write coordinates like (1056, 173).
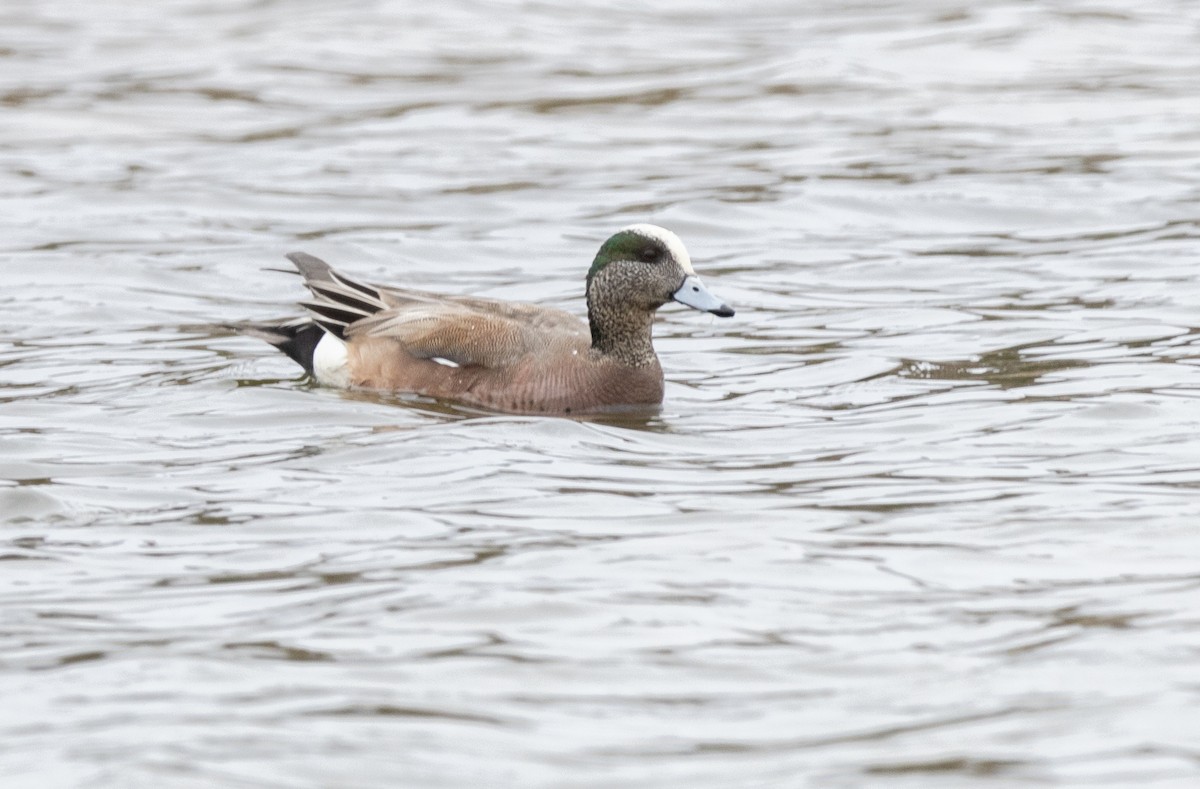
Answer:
(922, 515)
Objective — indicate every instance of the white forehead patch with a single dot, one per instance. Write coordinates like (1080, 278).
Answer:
(668, 239)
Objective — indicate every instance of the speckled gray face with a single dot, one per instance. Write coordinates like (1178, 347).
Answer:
(653, 245)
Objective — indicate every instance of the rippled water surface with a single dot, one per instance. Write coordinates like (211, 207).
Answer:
(924, 514)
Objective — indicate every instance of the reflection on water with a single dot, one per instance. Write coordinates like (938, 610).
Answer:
(921, 515)
(1006, 368)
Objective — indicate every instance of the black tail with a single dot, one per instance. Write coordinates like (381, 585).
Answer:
(337, 301)
(297, 338)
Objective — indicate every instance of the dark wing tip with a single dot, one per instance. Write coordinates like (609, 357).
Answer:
(310, 266)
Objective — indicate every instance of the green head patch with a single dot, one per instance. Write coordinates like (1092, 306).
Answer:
(644, 243)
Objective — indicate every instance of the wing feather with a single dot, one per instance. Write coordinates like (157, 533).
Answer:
(464, 330)
(452, 332)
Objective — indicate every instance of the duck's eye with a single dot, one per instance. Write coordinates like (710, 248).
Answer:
(648, 254)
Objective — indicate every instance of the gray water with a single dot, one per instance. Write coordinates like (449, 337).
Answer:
(924, 514)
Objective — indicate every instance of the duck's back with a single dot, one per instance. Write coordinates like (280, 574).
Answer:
(503, 355)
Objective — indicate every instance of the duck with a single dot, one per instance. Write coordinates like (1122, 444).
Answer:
(493, 354)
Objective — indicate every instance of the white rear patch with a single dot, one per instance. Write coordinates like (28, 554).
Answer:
(329, 362)
(444, 362)
(668, 239)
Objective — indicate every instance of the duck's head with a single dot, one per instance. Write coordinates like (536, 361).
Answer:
(644, 267)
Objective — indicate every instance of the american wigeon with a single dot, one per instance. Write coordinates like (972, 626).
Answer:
(520, 358)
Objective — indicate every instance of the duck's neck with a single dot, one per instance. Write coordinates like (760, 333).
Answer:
(623, 335)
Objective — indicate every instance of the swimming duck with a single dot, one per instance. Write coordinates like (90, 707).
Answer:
(499, 355)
